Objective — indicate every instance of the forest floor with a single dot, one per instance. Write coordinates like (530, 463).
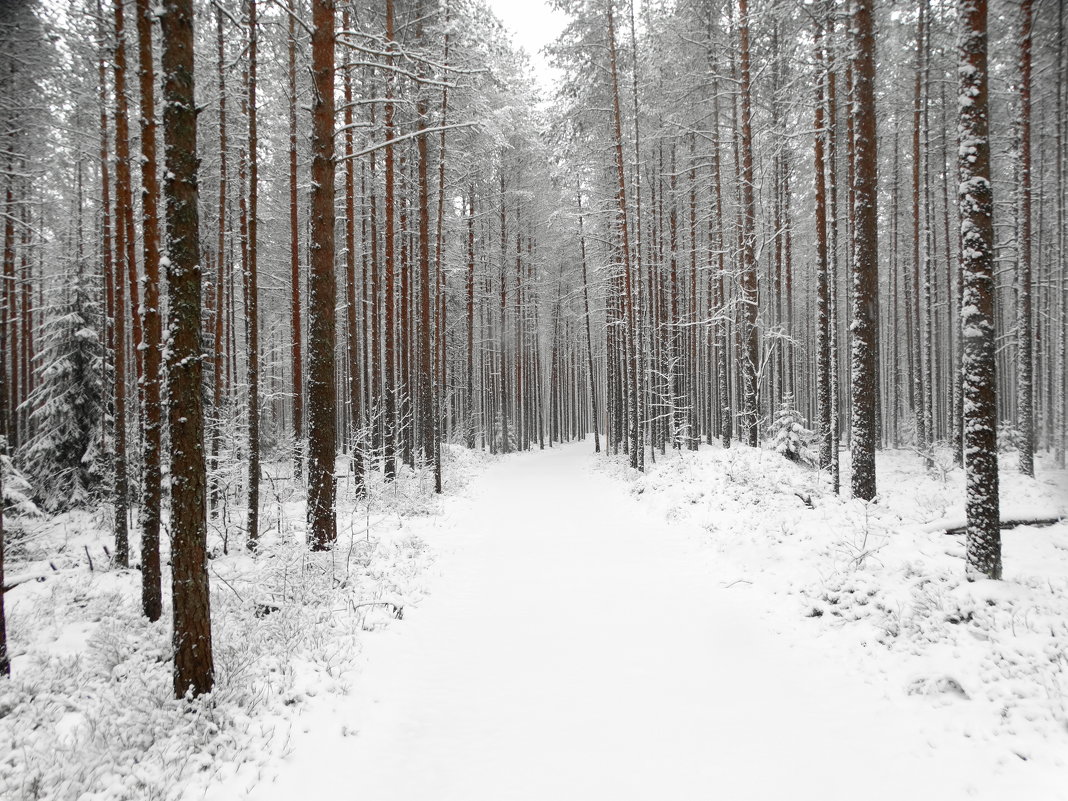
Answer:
(720, 626)
(700, 632)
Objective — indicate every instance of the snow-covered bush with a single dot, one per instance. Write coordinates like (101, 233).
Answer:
(18, 494)
(1008, 437)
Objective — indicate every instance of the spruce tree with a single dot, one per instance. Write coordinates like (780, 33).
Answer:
(64, 459)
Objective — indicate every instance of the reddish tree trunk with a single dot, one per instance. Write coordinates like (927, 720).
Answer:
(322, 390)
(151, 477)
(294, 252)
(193, 664)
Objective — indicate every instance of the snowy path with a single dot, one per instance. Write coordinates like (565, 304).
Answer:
(575, 647)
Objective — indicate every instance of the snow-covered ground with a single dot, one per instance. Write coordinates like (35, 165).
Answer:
(572, 630)
(590, 634)
(980, 668)
(88, 712)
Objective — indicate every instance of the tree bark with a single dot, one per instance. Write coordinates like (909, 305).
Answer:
(390, 388)
(919, 351)
(193, 664)
(469, 397)
(424, 407)
(750, 354)
(124, 249)
(222, 272)
(151, 477)
(975, 196)
(623, 232)
(322, 412)
(589, 335)
(1025, 408)
(294, 253)
(252, 299)
(352, 310)
(865, 322)
(823, 350)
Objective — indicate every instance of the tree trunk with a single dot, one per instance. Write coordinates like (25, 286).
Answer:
(916, 311)
(151, 478)
(865, 322)
(469, 397)
(976, 200)
(823, 349)
(294, 253)
(390, 388)
(623, 231)
(124, 249)
(193, 665)
(1024, 329)
(352, 310)
(439, 387)
(424, 407)
(322, 412)
(252, 299)
(125, 260)
(750, 354)
(589, 335)
(222, 272)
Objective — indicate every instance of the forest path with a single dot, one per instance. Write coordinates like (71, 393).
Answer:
(576, 647)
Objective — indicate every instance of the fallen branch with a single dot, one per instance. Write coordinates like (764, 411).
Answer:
(15, 581)
(397, 610)
(1007, 523)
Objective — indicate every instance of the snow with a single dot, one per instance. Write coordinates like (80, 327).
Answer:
(288, 626)
(584, 638)
(562, 627)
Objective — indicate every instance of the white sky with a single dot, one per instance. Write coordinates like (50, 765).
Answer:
(533, 24)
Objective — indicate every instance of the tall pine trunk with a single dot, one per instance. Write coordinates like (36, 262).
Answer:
(623, 231)
(297, 366)
(1024, 328)
(124, 253)
(351, 309)
(865, 322)
(976, 199)
(193, 665)
(222, 261)
(823, 346)
(151, 477)
(389, 390)
(750, 355)
(322, 412)
(252, 298)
